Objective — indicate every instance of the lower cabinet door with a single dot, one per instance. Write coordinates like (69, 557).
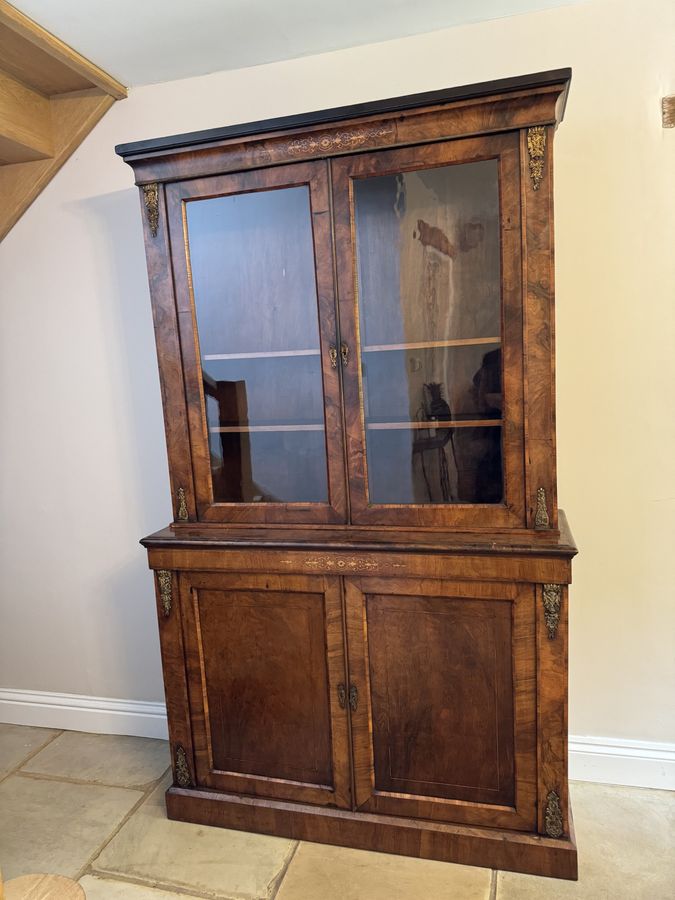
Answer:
(443, 702)
(266, 683)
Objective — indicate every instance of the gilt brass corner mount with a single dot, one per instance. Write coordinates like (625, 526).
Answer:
(541, 519)
(553, 818)
(151, 201)
(164, 578)
(181, 768)
(182, 512)
(552, 600)
(536, 150)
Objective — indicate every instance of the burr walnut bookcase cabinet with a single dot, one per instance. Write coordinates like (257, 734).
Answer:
(362, 598)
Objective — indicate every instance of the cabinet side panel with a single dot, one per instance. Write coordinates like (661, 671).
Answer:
(160, 279)
(536, 176)
(552, 668)
(512, 344)
(173, 666)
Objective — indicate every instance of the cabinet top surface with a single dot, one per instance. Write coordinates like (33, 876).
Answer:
(349, 538)
(536, 80)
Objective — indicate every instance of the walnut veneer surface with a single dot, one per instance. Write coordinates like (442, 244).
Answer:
(363, 598)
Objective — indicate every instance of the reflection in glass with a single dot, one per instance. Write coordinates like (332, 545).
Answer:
(253, 278)
(429, 284)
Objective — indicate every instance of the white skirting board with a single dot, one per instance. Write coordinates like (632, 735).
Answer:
(648, 764)
(77, 712)
(607, 760)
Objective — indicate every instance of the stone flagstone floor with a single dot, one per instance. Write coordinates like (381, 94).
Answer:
(91, 807)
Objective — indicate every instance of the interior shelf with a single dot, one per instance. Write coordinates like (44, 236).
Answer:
(233, 429)
(424, 345)
(427, 424)
(371, 348)
(263, 354)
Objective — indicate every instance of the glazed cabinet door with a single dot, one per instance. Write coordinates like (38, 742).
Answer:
(429, 265)
(266, 683)
(442, 675)
(253, 270)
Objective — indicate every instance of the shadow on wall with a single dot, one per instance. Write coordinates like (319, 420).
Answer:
(123, 622)
(131, 351)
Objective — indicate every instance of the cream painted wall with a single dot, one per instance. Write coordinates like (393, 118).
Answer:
(82, 461)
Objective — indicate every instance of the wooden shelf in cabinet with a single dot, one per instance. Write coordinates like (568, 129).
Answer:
(246, 429)
(263, 354)
(456, 423)
(430, 345)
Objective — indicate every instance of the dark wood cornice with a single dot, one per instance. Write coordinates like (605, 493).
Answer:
(354, 111)
(495, 107)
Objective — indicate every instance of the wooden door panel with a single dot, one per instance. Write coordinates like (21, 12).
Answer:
(444, 727)
(265, 657)
(289, 701)
(443, 722)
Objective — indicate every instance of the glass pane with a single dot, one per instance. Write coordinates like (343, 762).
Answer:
(429, 286)
(252, 267)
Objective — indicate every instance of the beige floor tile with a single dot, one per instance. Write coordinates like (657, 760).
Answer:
(231, 864)
(97, 888)
(626, 844)
(322, 872)
(103, 759)
(19, 741)
(54, 826)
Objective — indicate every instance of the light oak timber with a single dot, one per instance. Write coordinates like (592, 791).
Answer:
(74, 116)
(44, 42)
(50, 99)
(36, 68)
(25, 122)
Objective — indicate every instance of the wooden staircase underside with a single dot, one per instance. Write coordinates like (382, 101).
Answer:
(50, 99)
